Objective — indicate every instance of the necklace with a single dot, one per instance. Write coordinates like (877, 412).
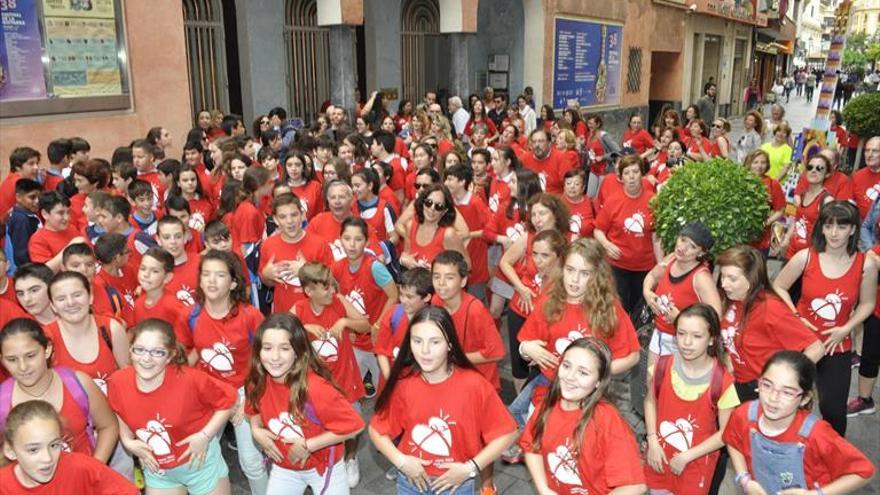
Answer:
(41, 394)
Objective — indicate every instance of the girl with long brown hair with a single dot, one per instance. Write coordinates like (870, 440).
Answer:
(298, 415)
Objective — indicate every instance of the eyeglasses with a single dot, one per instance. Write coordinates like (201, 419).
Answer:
(817, 168)
(787, 393)
(264, 122)
(156, 353)
(717, 126)
(435, 206)
(419, 186)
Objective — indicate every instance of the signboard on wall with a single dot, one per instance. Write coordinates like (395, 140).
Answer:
(586, 63)
(21, 65)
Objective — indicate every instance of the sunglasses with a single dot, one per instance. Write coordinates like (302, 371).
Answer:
(817, 168)
(717, 126)
(438, 207)
(419, 186)
(264, 122)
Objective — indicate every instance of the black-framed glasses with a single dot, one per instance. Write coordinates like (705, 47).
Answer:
(438, 207)
(817, 168)
(156, 353)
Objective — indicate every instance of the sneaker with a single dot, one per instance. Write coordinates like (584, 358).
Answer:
(856, 360)
(489, 490)
(391, 474)
(858, 405)
(369, 387)
(352, 472)
(513, 455)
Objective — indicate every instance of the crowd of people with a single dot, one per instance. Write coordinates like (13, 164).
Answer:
(308, 268)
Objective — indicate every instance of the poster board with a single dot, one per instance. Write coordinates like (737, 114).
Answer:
(586, 63)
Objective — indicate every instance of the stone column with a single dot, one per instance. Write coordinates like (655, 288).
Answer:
(459, 65)
(262, 65)
(343, 66)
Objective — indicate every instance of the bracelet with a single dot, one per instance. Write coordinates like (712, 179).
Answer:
(742, 479)
(206, 435)
(649, 435)
(402, 463)
(474, 462)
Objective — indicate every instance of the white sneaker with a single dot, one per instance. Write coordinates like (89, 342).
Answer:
(352, 472)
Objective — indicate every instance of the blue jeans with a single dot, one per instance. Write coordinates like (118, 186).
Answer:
(404, 487)
(249, 456)
(519, 408)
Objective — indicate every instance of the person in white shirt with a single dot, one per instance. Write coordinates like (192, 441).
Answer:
(460, 116)
(528, 114)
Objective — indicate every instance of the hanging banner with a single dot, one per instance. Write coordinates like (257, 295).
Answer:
(79, 8)
(833, 62)
(586, 63)
(21, 65)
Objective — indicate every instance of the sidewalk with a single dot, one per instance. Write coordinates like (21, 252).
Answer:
(798, 113)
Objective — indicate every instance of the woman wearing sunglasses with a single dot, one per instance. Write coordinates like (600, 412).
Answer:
(720, 141)
(430, 230)
(808, 205)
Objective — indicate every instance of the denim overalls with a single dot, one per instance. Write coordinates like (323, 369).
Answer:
(777, 465)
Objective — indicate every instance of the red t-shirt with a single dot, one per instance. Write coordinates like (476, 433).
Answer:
(379, 217)
(771, 327)
(201, 211)
(777, 202)
(866, 189)
(680, 292)
(76, 473)
(74, 425)
(336, 353)
(477, 216)
(224, 345)
(429, 251)
(389, 338)
(329, 411)
(399, 167)
(185, 280)
(387, 194)
(45, 244)
(312, 248)
(171, 310)
(582, 221)
(572, 325)
(105, 304)
(628, 223)
(311, 197)
(568, 160)
(639, 140)
(7, 193)
(158, 188)
(444, 422)
(51, 180)
(477, 332)
(359, 287)
(612, 186)
(182, 405)
(77, 217)
(606, 458)
(125, 285)
(547, 170)
(247, 225)
(805, 219)
(100, 368)
(827, 456)
(326, 226)
(10, 310)
(828, 302)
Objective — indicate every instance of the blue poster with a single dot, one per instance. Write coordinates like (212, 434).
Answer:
(21, 65)
(586, 63)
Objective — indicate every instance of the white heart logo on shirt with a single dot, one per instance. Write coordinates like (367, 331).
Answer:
(101, 382)
(664, 301)
(635, 224)
(284, 427)
(574, 224)
(728, 336)
(434, 438)
(873, 192)
(292, 279)
(357, 300)
(828, 307)
(730, 316)
(197, 221)
(369, 213)
(543, 180)
(514, 232)
(327, 348)
(395, 352)
(156, 436)
(493, 202)
(186, 296)
(800, 228)
(563, 466)
(218, 356)
(679, 434)
(562, 343)
(337, 250)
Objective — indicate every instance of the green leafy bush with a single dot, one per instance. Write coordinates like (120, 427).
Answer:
(861, 115)
(728, 198)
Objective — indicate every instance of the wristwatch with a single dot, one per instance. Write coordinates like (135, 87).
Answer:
(476, 468)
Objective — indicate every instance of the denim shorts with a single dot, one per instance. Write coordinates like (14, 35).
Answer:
(196, 481)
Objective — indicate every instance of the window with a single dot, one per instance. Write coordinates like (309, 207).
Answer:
(205, 54)
(419, 27)
(63, 57)
(634, 71)
(308, 58)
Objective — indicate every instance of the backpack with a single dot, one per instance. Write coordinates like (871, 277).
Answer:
(71, 384)
(715, 383)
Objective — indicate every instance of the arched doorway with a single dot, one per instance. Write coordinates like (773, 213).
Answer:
(206, 54)
(308, 58)
(424, 52)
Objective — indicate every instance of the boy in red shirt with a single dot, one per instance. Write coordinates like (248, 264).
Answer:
(113, 252)
(178, 206)
(415, 291)
(474, 325)
(156, 301)
(24, 163)
(112, 215)
(47, 243)
(142, 156)
(140, 195)
(382, 148)
(79, 257)
(58, 153)
(171, 235)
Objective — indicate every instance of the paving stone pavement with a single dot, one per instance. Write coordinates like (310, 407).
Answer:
(863, 431)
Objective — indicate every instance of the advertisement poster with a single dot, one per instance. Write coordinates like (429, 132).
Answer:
(833, 64)
(83, 58)
(586, 63)
(21, 66)
(102, 9)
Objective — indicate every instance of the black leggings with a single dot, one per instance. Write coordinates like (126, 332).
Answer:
(833, 374)
(629, 287)
(518, 366)
(870, 362)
